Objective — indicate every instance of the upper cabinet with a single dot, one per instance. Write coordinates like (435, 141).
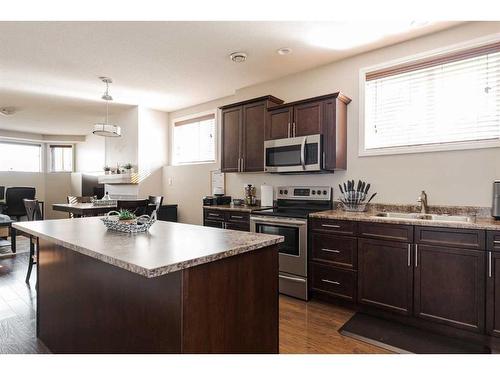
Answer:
(325, 115)
(243, 125)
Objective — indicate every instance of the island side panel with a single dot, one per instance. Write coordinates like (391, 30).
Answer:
(87, 306)
(231, 305)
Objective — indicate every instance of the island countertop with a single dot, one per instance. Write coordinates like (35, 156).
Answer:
(167, 247)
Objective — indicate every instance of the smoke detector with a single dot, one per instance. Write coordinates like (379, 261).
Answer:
(7, 111)
(238, 57)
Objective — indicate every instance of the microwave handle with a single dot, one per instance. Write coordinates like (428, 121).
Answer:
(303, 153)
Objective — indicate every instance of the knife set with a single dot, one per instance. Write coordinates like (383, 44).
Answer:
(353, 197)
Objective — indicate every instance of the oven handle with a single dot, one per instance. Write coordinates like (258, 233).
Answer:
(303, 153)
(264, 220)
(292, 278)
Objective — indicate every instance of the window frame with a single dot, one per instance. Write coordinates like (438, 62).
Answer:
(50, 146)
(212, 112)
(411, 149)
(28, 143)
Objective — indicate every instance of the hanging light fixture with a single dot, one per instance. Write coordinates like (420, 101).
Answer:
(106, 129)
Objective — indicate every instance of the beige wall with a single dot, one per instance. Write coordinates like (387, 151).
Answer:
(449, 177)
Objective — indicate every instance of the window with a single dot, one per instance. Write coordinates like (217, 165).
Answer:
(448, 101)
(61, 158)
(20, 157)
(194, 140)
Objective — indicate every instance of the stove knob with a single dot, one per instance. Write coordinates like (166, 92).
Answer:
(319, 192)
(286, 192)
(281, 191)
(324, 192)
(313, 192)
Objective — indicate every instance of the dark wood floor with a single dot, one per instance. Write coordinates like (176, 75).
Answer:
(305, 327)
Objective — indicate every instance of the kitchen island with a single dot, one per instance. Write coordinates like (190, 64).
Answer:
(177, 289)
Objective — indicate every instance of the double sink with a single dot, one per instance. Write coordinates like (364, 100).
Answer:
(433, 217)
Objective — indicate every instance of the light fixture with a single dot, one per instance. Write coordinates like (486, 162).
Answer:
(284, 51)
(238, 57)
(106, 129)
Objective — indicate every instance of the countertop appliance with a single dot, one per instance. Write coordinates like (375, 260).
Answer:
(216, 200)
(289, 219)
(495, 207)
(294, 155)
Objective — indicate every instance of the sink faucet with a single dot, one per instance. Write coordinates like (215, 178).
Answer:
(422, 199)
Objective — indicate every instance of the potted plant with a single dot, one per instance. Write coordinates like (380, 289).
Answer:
(107, 170)
(126, 217)
(128, 168)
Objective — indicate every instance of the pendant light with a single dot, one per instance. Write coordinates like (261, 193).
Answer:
(106, 129)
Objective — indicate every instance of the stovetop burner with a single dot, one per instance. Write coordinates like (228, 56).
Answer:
(287, 212)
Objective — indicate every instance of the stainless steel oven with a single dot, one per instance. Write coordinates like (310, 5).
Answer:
(292, 253)
(298, 154)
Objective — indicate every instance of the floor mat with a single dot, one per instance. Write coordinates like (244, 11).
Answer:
(401, 338)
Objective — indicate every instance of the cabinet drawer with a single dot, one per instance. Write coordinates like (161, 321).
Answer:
(238, 216)
(213, 223)
(237, 226)
(334, 226)
(391, 232)
(493, 240)
(337, 250)
(215, 214)
(464, 238)
(333, 281)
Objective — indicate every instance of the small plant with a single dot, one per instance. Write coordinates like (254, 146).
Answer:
(106, 168)
(127, 166)
(126, 215)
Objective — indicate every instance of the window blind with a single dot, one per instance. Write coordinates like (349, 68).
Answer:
(194, 140)
(20, 157)
(452, 98)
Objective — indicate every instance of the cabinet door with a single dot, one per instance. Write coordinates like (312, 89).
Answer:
(449, 286)
(307, 119)
(254, 119)
(213, 223)
(385, 275)
(278, 124)
(493, 294)
(231, 139)
(238, 226)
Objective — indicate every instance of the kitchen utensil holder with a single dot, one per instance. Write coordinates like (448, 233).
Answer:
(354, 207)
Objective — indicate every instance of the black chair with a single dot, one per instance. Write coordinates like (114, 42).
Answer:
(33, 213)
(157, 201)
(138, 207)
(2, 193)
(14, 205)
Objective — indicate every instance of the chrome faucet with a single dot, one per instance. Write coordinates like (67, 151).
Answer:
(422, 199)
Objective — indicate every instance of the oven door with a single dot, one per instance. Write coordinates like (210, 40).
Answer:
(293, 251)
(299, 154)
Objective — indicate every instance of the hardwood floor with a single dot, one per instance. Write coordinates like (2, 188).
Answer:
(305, 327)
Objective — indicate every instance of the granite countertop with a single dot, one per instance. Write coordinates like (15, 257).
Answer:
(244, 208)
(166, 248)
(338, 214)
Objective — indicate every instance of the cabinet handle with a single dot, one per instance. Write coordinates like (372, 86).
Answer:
(496, 242)
(489, 264)
(330, 282)
(224, 225)
(409, 255)
(288, 130)
(294, 129)
(236, 217)
(216, 215)
(330, 225)
(323, 160)
(331, 251)
(416, 255)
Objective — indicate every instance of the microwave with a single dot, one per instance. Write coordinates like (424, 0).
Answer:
(293, 155)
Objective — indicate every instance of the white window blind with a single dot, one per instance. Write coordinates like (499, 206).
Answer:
(20, 157)
(450, 99)
(194, 140)
(61, 158)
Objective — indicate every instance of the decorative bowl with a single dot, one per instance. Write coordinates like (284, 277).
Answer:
(141, 224)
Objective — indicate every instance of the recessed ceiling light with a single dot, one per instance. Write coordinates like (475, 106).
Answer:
(284, 51)
(238, 57)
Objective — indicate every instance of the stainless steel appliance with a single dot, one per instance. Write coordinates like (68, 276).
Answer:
(293, 155)
(289, 219)
(495, 207)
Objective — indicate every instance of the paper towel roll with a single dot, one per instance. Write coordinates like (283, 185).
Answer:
(266, 195)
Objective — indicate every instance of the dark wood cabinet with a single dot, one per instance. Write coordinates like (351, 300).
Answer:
(226, 219)
(333, 281)
(449, 286)
(493, 294)
(325, 115)
(242, 134)
(385, 275)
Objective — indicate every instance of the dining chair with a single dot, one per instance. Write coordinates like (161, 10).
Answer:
(14, 206)
(32, 213)
(138, 206)
(157, 201)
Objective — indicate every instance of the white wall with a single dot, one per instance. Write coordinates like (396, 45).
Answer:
(124, 149)
(449, 177)
(90, 155)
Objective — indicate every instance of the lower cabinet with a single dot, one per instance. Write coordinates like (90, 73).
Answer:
(226, 219)
(493, 294)
(385, 275)
(449, 286)
(333, 281)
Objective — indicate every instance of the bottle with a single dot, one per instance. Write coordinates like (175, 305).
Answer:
(106, 197)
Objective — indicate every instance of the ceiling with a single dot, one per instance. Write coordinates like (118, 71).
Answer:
(168, 65)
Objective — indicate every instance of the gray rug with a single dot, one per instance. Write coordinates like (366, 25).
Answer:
(22, 246)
